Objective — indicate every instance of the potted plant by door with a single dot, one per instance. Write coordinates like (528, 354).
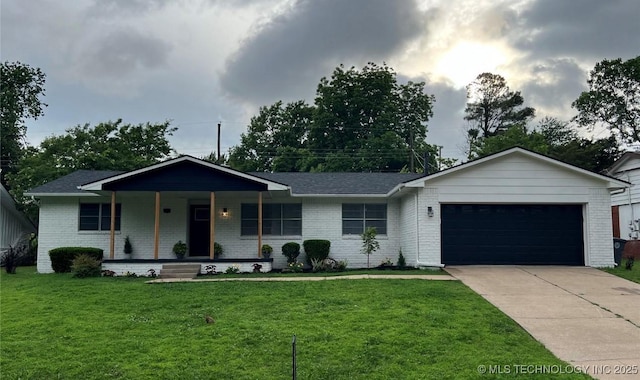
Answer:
(266, 251)
(180, 249)
(128, 248)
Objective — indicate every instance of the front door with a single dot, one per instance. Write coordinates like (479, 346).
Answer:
(199, 230)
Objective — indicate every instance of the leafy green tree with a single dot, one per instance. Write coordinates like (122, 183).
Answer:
(106, 146)
(556, 139)
(613, 99)
(517, 135)
(361, 120)
(21, 87)
(369, 242)
(277, 138)
(492, 107)
(366, 121)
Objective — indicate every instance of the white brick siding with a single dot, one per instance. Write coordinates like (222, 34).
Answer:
(510, 179)
(599, 237)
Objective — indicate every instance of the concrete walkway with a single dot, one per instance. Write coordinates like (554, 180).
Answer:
(584, 316)
(309, 278)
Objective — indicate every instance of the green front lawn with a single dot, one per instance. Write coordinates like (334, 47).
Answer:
(348, 272)
(632, 275)
(55, 326)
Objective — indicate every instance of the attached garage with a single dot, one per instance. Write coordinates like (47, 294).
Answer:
(514, 207)
(512, 234)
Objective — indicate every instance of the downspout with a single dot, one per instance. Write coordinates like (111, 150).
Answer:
(418, 262)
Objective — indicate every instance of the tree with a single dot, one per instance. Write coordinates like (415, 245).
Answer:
(20, 90)
(276, 139)
(517, 135)
(366, 121)
(613, 99)
(107, 146)
(369, 242)
(492, 107)
(556, 139)
(361, 120)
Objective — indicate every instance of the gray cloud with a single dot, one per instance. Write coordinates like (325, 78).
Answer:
(447, 125)
(286, 57)
(557, 83)
(123, 52)
(588, 29)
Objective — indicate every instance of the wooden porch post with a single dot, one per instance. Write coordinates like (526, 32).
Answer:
(212, 222)
(260, 224)
(112, 236)
(156, 238)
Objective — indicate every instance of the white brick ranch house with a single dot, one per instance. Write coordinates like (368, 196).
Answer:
(513, 207)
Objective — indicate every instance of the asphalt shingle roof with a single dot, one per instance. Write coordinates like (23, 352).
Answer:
(339, 183)
(301, 183)
(70, 182)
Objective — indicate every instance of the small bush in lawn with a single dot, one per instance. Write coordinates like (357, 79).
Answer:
(62, 258)
(316, 249)
(291, 251)
(341, 265)
(402, 263)
(10, 259)
(86, 266)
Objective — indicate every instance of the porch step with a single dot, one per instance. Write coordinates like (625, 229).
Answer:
(179, 271)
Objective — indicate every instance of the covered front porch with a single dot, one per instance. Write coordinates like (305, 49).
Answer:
(184, 200)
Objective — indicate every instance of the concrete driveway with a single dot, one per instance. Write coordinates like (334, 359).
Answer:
(586, 317)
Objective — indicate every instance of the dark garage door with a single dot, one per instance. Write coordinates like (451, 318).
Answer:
(512, 234)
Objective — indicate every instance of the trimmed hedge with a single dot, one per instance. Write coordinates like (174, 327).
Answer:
(316, 249)
(291, 250)
(62, 258)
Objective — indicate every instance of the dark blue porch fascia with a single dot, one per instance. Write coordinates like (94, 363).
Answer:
(185, 176)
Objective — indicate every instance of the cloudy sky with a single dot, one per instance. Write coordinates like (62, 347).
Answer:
(198, 62)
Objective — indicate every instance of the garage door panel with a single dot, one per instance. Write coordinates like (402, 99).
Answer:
(512, 234)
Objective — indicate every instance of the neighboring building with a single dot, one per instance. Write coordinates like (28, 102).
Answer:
(625, 205)
(14, 225)
(513, 207)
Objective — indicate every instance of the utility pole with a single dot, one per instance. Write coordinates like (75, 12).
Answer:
(219, 125)
(411, 163)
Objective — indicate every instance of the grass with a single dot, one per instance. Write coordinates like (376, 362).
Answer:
(348, 272)
(632, 275)
(55, 326)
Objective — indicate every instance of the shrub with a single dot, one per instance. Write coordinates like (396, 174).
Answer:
(266, 251)
(291, 250)
(629, 264)
(402, 263)
(180, 249)
(232, 269)
(62, 258)
(316, 249)
(85, 266)
(327, 265)
(217, 249)
(11, 258)
(128, 248)
(294, 267)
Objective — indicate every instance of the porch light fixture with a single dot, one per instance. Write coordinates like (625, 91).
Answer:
(430, 212)
(225, 213)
